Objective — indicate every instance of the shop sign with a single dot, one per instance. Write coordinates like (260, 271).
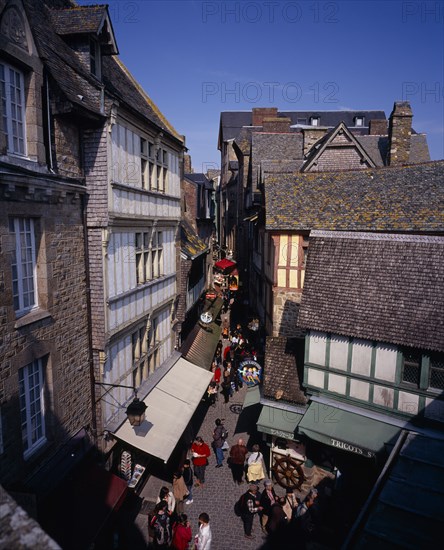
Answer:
(250, 372)
(279, 433)
(351, 448)
(206, 317)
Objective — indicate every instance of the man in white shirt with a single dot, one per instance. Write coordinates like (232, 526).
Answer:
(203, 538)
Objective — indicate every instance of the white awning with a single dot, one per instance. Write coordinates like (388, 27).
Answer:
(171, 404)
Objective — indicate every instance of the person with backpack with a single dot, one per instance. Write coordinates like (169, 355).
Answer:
(160, 524)
(219, 436)
(249, 506)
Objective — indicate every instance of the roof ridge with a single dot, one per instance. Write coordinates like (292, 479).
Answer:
(155, 108)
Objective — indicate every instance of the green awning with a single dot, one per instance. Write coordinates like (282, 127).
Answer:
(347, 431)
(278, 422)
(252, 397)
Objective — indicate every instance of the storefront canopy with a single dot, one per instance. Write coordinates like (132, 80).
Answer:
(225, 265)
(252, 397)
(278, 422)
(346, 430)
(171, 404)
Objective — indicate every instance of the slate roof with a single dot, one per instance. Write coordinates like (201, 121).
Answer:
(281, 378)
(72, 77)
(78, 19)
(407, 198)
(231, 122)
(199, 179)
(383, 287)
(190, 243)
(408, 511)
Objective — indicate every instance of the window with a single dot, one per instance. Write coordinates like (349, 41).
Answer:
(304, 249)
(94, 58)
(411, 368)
(143, 272)
(315, 121)
(359, 121)
(140, 355)
(24, 281)
(149, 256)
(13, 109)
(156, 255)
(32, 406)
(437, 371)
(144, 163)
(302, 121)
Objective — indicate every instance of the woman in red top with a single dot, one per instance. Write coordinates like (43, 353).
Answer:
(200, 452)
(181, 533)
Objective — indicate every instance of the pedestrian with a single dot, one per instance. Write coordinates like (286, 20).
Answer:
(238, 453)
(182, 533)
(256, 470)
(291, 504)
(268, 498)
(226, 387)
(212, 393)
(167, 495)
(305, 518)
(218, 441)
(160, 524)
(180, 491)
(202, 540)
(200, 452)
(276, 517)
(188, 478)
(250, 507)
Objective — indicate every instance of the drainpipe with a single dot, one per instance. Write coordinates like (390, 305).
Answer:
(48, 122)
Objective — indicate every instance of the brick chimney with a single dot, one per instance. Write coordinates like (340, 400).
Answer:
(400, 131)
(187, 169)
(378, 127)
(276, 125)
(259, 113)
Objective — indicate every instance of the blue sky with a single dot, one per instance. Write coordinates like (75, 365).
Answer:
(196, 59)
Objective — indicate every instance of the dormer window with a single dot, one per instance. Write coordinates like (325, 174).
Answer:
(13, 108)
(359, 121)
(95, 58)
(315, 121)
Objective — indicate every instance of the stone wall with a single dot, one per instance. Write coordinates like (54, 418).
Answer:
(56, 332)
(285, 313)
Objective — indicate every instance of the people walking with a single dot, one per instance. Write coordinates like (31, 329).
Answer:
(250, 507)
(203, 538)
(218, 441)
(182, 533)
(167, 495)
(160, 525)
(180, 491)
(291, 504)
(226, 386)
(189, 480)
(276, 517)
(256, 470)
(268, 498)
(200, 452)
(238, 453)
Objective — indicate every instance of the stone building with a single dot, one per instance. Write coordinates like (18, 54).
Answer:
(46, 414)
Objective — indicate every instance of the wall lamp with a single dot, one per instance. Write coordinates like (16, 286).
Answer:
(135, 410)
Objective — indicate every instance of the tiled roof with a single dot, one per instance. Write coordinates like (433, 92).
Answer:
(199, 179)
(78, 85)
(383, 287)
(281, 380)
(191, 244)
(78, 19)
(407, 198)
(231, 122)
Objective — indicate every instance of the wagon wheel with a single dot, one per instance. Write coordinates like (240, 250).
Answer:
(288, 472)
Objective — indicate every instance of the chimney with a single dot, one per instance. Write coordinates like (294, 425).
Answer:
(259, 113)
(400, 130)
(276, 125)
(378, 127)
(187, 164)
